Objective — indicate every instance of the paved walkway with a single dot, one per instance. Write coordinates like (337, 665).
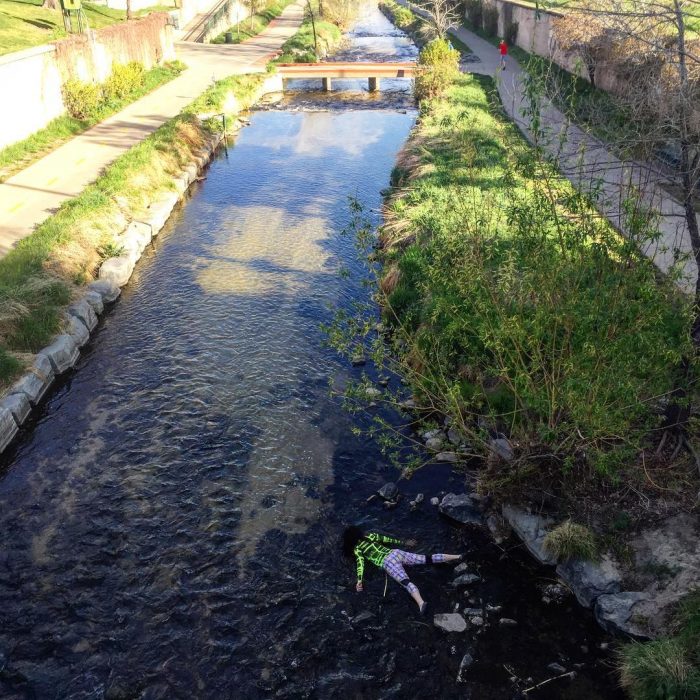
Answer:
(588, 163)
(35, 193)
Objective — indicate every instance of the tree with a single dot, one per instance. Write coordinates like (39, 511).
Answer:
(442, 14)
(129, 14)
(646, 43)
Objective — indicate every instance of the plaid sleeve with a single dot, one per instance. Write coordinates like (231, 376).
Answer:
(389, 540)
(360, 566)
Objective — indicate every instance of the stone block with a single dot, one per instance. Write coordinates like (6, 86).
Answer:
(37, 381)
(83, 311)
(117, 270)
(76, 329)
(63, 353)
(532, 529)
(450, 622)
(460, 508)
(616, 614)
(107, 290)
(18, 405)
(181, 184)
(589, 580)
(8, 428)
(191, 172)
(95, 300)
(160, 210)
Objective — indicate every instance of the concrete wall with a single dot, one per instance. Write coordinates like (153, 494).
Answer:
(33, 77)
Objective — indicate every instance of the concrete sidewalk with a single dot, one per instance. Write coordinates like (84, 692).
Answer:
(35, 193)
(588, 163)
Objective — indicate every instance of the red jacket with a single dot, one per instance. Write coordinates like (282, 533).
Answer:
(504, 49)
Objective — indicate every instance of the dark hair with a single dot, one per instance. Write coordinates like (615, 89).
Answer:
(351, 537)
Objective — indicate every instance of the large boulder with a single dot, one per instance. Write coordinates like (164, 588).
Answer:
(76, 329)
(37, 381)
(84, 312)
(589, 580)
(450, 622)
(117, 270)
(9, 428)
(159, 211)
(63, 353)
(461, 508)
(107, 290)
(18, 405)
(616, 614)
(532, 529)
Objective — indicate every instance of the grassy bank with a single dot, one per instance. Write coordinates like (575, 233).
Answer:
(301, 48)
(521, 311)
(25, 23)
(253, 25)
(19, 155)
(39, 276)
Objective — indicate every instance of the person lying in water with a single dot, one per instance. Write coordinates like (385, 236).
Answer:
(371, 546)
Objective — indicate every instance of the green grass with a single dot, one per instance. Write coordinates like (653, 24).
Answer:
(24, 23)
(571, 540)
(519, 304)
(252, 26)
(300, 47)
(667, 669)
(39, 276)
(19, 155)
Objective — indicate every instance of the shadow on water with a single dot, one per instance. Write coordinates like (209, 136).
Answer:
(171, 523)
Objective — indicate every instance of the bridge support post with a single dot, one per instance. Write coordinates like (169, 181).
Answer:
(373, 84)
(327, 84)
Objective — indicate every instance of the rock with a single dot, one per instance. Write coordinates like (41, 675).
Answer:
(615, 613)
(502, 448)
(77, 330)
(408, 404)
(532, 529)
(554, 593)
(465, 580)
(588, 580)
(447, 457)
(63, 353)
(477, 621)
(18, 405)
(136, 237)
(383, 381)
(461, 509)
(159, 212)
(37, 381)
(464, 664)
(95, 301)
(364, 615)
(507, 622)
(430, 434)
(434, 501)
(499, 528)
(84, 312)
(8, 428)
(556, 668)
(450, 622)
(107, 290)
(434, 443)
(455, 437)
(493, 608)
(419, 498)
(117, 270)
(389, 492)
(372, 392)
(357, 360)
(461, 568)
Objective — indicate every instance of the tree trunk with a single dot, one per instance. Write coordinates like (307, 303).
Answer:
(51, 5)
(129, 14)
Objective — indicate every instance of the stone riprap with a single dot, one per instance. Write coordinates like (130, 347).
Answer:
(18, 405)
(461, 508)
(450, 622)
(8, 427)
(616, 612)
(589, 580)
(531, 529)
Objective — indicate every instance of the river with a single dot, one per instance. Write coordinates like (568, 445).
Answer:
(171, 519)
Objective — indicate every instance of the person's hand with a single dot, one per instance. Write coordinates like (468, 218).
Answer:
(359, 587)
(411, 543)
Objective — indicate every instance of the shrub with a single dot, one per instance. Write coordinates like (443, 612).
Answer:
(439, 66)
(82, 100)
(125, 79)
(490, 21)
(659, 670)
(403, 17)
(474, 10)
(571, 540)
(511, 33)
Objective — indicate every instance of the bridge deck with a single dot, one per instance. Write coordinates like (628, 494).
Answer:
(404, 69)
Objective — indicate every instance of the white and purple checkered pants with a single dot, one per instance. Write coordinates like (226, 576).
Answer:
(397, 559)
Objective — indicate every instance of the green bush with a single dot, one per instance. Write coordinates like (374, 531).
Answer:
(438, 67)
(124, 80)
(511, 34)
(403, 17)
(490, 21)
(82, 100)
(474, 10)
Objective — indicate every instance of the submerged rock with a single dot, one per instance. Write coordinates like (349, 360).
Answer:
(507, 622)
(616, 614)
(447, 457)
(464, 664)
(434, 443)
(461, 508)
(556, 668)
(532, 529)
(465, 580)
(389, 492)
(434, 501)
(450, 622)
(589, 580)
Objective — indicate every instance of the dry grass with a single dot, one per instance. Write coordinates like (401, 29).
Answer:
(570, 540)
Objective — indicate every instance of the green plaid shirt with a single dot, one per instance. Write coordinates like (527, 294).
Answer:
(368, 548)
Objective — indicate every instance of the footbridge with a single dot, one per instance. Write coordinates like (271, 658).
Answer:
(327, 72)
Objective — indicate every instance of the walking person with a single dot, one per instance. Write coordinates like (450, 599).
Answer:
(503, 48)
(371, 546)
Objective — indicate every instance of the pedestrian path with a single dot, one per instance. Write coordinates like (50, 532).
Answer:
(31, 196)
(588, 163)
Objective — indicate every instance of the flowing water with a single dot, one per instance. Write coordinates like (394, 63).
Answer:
(170, 522)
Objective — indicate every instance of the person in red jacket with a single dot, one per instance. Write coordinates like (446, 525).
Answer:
(503, 48)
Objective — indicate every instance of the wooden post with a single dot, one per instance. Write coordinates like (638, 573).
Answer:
(327, 84)
(373, 84)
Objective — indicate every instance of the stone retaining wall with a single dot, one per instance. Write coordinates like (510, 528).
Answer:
(82, 316)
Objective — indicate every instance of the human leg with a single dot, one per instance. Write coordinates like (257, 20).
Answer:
(393, 565)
